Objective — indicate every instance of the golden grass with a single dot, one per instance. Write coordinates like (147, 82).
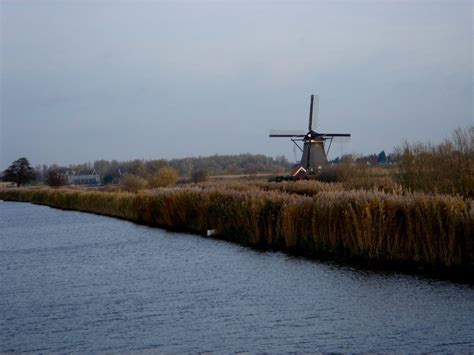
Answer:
(445, 168)
(373, 225)
(301, 187)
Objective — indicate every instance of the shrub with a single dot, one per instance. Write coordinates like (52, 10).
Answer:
(330, 174)
(358, 176)
(200, 175)
(55, 178)
(165, 176)
(132, 183)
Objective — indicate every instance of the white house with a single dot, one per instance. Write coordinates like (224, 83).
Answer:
(83, 177)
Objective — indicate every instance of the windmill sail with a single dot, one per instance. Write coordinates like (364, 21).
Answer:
(335, 134)
(314, 108)
(286, 133)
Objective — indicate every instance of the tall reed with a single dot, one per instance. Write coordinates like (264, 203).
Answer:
(432, 230)
(301, 187)
(447, 167)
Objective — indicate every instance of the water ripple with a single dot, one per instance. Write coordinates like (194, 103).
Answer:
(74, 282)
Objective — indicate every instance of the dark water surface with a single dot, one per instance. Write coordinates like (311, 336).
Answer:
(79, 282)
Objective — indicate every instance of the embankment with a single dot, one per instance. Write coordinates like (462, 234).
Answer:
(417, 230)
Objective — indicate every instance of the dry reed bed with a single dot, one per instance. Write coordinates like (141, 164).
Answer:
(425, 229)
(301, 187)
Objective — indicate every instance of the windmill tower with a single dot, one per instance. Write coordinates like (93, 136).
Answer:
(314, 154)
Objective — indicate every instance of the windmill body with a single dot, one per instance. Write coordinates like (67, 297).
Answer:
(314, 156)
(314, 152)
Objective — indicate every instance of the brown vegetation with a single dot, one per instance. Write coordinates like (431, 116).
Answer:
(132, 183)
(55, 178)
(164, 177)
(200, 175)
(445, 168)
(372, 225)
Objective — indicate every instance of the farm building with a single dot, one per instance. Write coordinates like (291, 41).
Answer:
(298, 172)
(83, 177)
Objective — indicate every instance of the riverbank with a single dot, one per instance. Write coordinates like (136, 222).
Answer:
(432, 232)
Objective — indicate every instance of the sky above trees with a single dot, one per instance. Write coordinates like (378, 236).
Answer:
(86, 80)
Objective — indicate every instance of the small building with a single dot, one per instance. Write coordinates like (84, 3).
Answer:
(83, 177)
(298, 172)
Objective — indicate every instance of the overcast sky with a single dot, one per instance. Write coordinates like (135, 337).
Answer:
(85, 80)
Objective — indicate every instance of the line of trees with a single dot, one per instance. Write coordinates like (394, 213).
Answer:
(195, 168)
(186, 167)
(447, 167)
(371, 159)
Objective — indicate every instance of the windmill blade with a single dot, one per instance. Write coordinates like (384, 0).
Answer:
(286, 133)
(313, 108)
(338, 139)
(316, 111)
(335, 134)
(341, 139)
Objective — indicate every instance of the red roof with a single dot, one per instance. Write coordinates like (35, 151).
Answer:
(298, 170)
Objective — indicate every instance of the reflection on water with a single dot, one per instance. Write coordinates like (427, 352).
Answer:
(79, 282)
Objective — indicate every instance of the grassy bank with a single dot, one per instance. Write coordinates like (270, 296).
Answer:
(417, 229)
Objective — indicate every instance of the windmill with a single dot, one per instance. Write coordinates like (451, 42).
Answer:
(314, 155)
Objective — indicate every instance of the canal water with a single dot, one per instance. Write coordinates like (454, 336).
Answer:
(77, 282)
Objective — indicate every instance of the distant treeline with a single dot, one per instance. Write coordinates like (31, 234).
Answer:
(213, 165)
(372, 159)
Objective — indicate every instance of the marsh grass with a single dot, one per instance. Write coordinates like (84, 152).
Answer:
(444, 168)
(301, 187)
(373, 225)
